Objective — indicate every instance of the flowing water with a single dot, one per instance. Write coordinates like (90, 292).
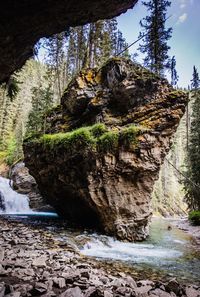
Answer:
(167, 253)
(10, 201)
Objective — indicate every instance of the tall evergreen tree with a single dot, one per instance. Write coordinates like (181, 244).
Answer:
(155, 39)
(174, 75)
(42, 101)
(192, 181)
(195, 79)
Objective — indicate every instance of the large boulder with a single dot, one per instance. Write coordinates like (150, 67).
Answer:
(102, 175)
(24, 22)
(24, 183)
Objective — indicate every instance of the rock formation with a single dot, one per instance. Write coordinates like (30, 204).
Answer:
(24, 183)
(24, 22)
(102, 175)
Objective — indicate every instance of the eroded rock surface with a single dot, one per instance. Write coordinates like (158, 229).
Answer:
(24, 183)
(24, 22)
(103, 175)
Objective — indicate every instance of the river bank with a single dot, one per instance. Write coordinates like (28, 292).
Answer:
(185, 225)
(35, 262)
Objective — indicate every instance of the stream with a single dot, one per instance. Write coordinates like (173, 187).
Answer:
(167, 253)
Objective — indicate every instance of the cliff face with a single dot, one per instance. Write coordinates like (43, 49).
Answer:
(24, 22)
(102, 174)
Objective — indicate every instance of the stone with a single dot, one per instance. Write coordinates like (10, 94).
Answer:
(24, 183)
(45, 18)
(105, 182)
(159, 293)
(73, 292)
(13, 294)
(2, 254)
(39, 262)
(191, 292)
(108, 294)
(59, 282)
(173, 286)
(2, 289)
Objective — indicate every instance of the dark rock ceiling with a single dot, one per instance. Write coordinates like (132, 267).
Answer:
(23, 22)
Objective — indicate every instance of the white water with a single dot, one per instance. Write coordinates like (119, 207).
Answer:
(12, 202)
(135, 252)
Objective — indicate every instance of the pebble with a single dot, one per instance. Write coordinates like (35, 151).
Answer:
(36, 265)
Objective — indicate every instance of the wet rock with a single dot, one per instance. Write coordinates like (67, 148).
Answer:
(24, 183)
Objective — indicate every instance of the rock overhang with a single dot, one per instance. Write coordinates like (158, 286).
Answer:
(24, 22)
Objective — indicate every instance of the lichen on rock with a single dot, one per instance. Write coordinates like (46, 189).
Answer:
(102, 151)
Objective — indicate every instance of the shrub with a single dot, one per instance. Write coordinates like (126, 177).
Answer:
(194, 217)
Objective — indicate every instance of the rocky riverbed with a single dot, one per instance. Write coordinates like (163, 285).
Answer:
(34, 262)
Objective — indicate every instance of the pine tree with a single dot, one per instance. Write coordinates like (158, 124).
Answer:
(42, 101)
(155, 39)
(195, 79)
(192, 181)
(174, 75)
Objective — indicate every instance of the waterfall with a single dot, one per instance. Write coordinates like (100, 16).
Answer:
(12, 202)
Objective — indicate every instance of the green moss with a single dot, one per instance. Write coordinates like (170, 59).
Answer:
(128, 136)
(98, 129)
(78, 138)
(194, 217)
(96, 137)
(109, 141)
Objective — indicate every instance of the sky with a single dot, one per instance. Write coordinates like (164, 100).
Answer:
(185, 42)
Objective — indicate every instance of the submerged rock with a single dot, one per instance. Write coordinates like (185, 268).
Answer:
(102, 175)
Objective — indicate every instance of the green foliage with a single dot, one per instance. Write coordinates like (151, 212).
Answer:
(12, 87)
(42, 101)
(195, 82)
(174, 75)
(192, 180)
(194, 217)
(12, 152)
(129, 135)
(156, 36)
(98, 129)
(109, 141)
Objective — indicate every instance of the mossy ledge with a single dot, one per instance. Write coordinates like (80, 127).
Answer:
(96, 137)
(97, 164)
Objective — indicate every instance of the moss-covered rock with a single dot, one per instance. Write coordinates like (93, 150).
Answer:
(99, 159)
